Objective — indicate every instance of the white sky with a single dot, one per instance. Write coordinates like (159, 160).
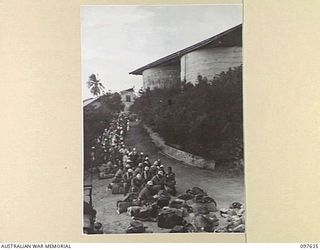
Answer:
(116, 40)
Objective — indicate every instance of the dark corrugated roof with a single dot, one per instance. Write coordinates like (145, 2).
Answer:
(178, 54)
(89, 100)
(127, 90)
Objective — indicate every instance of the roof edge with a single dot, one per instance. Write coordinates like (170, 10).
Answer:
(184, 51)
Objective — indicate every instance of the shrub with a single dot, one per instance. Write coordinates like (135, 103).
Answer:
(203, 119)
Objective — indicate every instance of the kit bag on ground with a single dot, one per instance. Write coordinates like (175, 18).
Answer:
(206, 223)
(236, 205)
(188, 228)
(117, 188)
(208, 199)
(133, 211)
(135, 227)
(196, 191)
(204, 201)
(122, 206)
(177, 203)
(103, 175)
(179, 211)
(185, 196)
(163, 202)
(146, 213)
(169, 219)
(179, 229)
(163, 199)
(130, 197)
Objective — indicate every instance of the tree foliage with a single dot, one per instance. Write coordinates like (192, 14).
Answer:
(96, 117)
(95, 86)
(204, 119)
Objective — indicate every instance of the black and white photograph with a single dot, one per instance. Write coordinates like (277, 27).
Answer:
(162, 99)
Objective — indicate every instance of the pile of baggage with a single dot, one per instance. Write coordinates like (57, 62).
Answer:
(235, 216)
(193, 211)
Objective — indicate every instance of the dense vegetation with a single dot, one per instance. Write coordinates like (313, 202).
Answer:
(96, 116)
(204, 119)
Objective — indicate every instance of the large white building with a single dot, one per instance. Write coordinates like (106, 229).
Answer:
(206, 58)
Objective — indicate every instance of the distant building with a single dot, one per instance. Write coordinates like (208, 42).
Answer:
(91, 103)
(127, 97)
(206, 58)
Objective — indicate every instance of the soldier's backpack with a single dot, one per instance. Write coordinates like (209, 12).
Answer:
(186, 196)
(122, 206)
(183, 229)
(103, 175)
(133, 211)
(169, 219)
(135, 227)
(164, 199)
(179, 229)
(236, 205)
(177, 203)
(206, 223)
(197, 208)
(196, 191)
(163, 202)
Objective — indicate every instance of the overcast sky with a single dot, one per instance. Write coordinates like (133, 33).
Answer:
(116, 40)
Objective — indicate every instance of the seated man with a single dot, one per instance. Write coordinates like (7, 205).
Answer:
(145, 195)
(137, 183)
(146, 174)
(119, 173)
(170, 181)
(161, 168)
(153, 170)
(117, 178)
(127, 177)
(158, 181)
(138, 169)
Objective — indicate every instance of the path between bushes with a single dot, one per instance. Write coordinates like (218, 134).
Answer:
(224, 189)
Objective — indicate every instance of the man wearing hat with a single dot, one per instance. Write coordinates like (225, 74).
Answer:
(145, 196)
(147, 161)
(141, 158)
(135, 156)
(153, 170)
(137, 183)
(161, 168)
(127, 177)
(158, 181)
(138, 169)
(146, 174)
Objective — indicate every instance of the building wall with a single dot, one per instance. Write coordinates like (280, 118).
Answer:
(208, 62)
(124, 99)
(161, 76)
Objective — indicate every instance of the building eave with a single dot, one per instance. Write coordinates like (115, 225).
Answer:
(176, 56)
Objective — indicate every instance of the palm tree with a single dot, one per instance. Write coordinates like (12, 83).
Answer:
(95, 86)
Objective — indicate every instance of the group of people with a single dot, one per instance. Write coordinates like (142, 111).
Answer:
(132, 170)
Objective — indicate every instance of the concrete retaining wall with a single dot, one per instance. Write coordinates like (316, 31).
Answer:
(190, 159)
